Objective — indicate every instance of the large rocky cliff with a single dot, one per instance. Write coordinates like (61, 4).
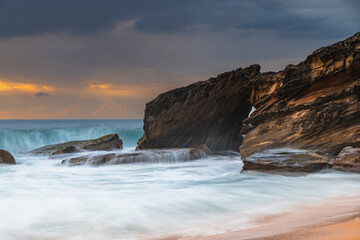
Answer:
(312, 105)
(209, 112)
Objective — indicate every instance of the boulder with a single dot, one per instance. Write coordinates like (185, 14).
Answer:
(208, 112)
(147, 156)
(105, 143)
(347, 160)
(286, 160)
(6, 157)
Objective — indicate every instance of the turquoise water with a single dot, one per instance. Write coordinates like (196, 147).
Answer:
(19, 136)
(40, 199)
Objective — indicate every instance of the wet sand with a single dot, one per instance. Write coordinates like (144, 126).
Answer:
(338, 219)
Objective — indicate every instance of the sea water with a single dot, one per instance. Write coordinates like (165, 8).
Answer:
(42, 199)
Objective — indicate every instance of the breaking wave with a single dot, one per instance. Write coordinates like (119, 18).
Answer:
(31, 134)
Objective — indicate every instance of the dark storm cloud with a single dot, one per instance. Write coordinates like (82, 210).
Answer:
(41, 94)
(97, 58)
(295, 18)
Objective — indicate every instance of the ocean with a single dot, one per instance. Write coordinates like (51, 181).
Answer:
(41, 199)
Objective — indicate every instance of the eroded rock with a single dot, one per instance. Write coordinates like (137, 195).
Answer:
(148, 156)
(312, 105)
(105, 143)
(208, 112)
(347, 160)
(285, 160)
(6, 157)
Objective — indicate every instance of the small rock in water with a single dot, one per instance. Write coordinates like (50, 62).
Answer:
(285, 160)
(104, 143)
(147, 156)
(201, 148)
(6, 157)
(347, 160)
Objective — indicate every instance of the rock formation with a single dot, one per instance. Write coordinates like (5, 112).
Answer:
(208, 112)
(105, 143)
(289, 160)
(149, 156)
(348, 159)
(6, 157)
(313, 105)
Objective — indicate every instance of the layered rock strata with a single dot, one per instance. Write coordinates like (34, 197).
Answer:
(313, 105)
(286, 160)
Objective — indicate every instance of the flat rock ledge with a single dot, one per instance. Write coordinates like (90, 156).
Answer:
(145, 156)
(6, 157)
(347, 160)
(286, 160)
(104, 143)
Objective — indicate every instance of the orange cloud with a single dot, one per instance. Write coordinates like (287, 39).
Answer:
(131, 91)
(23, 87)
(100, 86)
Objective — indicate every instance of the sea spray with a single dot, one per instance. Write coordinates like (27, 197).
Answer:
(20, 136)
(40, 199)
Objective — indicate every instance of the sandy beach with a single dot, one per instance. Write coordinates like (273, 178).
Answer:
(348, 230)
(335, 220)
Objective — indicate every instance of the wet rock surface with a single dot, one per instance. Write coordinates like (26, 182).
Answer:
(208, 112)
(285, 160)
(313, 105)
(147, 156)
(347, 160)
(6, 157)
(105, 143)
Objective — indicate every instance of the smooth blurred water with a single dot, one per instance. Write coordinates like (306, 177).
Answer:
(19, 136)
(40, 199)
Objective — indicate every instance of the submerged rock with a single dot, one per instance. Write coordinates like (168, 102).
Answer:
(285, 160)
(148, 156)
(347, 160)
(105, 143)
(6, 157)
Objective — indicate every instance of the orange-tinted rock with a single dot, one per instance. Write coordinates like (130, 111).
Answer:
(312, 105)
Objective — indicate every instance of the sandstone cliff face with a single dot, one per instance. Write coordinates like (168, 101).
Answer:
(312, 105)
(209, 112)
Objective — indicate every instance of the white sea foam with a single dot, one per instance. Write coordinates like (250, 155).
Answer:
(39, 199)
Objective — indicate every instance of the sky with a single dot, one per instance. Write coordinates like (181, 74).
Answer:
(66, 59)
